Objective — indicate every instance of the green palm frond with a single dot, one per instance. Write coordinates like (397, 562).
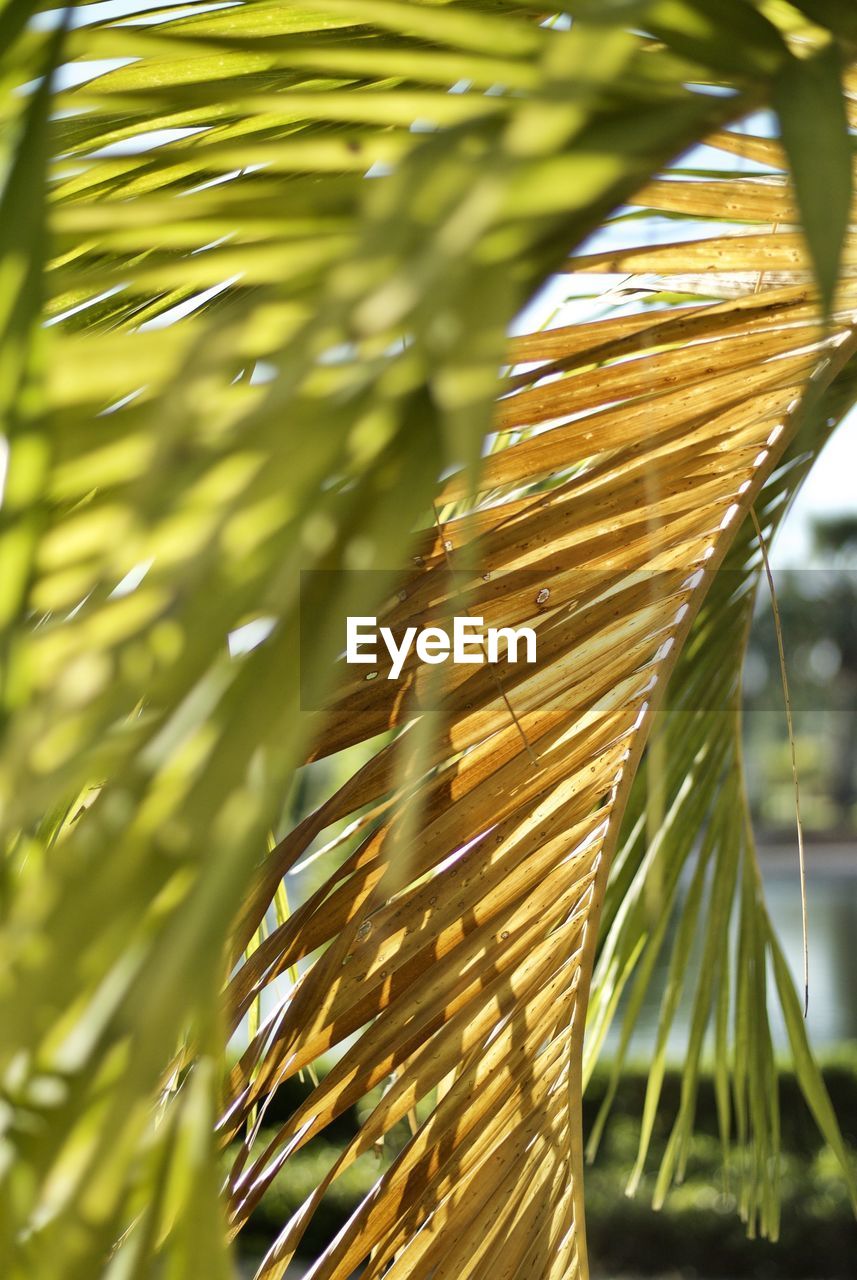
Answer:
(259, 267)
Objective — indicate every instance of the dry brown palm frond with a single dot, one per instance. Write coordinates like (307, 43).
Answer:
(470, 948)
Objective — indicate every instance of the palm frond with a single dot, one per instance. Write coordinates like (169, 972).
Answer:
(263, 328)
(476, 955)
